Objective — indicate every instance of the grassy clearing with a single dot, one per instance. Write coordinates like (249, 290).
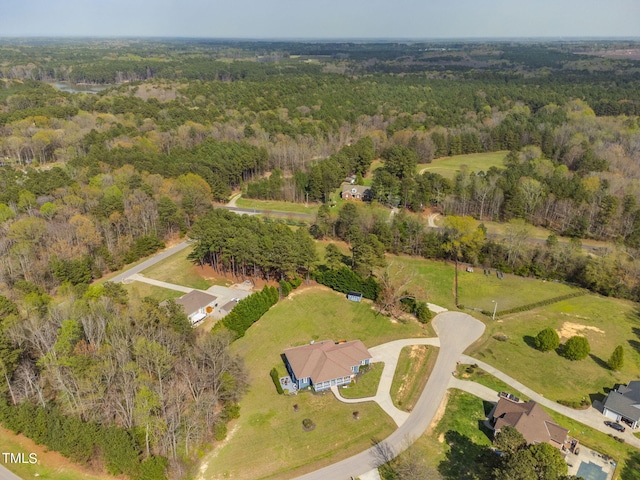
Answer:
(605, 322)
(140, 290)
(477, 290)
(449, 166)
(463, 414)
(412, 372)
(429, 279)
(367, 383)
(268, 439)
(467, 372)
(51, 465)
(180, 270)
(276, 206)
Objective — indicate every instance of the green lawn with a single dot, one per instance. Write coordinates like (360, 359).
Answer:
(179, 270)
(428, 279)
(412, 372)
(367, 383)
(477, 290)
(478, 375)
(463, 415)
(610, 323)
(449, 166)
(140, 290)
(268, 440)
(435, 280)
(276, 206)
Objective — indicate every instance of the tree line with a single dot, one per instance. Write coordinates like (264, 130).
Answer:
(78, 375)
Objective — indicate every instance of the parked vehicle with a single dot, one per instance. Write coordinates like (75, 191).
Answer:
(615, 426)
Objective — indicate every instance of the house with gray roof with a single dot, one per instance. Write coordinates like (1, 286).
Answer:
(623, 403)
(197, 305)
(322, 365)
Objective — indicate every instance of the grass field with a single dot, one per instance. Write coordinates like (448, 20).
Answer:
(477, 290)
(412, 372)
(463, 415)
(605, 322)
(276, 206)
(435, 280)
(268, 440)
(449, 166)
(367, 383)
(50, 465)
(179, 270)
(140, 290)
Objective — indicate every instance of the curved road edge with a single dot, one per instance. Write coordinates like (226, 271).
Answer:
(456, 332)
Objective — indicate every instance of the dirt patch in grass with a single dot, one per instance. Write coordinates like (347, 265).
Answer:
(439, 413)
(570, 329)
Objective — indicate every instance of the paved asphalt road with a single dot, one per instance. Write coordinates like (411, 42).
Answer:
(456, 332)
(7, 475)
(147, 263)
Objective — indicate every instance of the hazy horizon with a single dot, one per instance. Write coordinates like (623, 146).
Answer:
(331, 20)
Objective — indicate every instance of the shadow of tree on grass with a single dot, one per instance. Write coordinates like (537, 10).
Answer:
(599, 361)
(465, 460)
(530, 341)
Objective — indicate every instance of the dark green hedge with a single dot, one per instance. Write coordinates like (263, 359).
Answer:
(276, 380)
(531, 306)
(250, 309)
(345, 280)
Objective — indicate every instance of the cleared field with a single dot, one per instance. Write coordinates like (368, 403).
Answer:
(50, 465)
(139, 290)
(276, 206)
(605, 322)
(367, 383)
(435, 280)
(477, 290)
(412, 372)
(449, 166)
(179, 270)
(268, 440)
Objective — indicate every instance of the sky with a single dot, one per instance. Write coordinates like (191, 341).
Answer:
(321, 19)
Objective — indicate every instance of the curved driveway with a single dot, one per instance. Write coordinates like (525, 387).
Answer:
(456, 332)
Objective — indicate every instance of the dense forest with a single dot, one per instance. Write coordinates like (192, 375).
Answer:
(91, 182)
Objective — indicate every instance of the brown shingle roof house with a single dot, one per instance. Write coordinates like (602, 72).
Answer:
(324, 364)
(529, 418)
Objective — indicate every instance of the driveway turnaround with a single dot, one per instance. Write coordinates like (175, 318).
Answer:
(456, 331)
(388, 353)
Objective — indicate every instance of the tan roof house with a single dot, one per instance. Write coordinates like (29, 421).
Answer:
(322, 365)
(530, 419)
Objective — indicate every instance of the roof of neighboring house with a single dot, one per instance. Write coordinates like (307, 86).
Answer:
(535, 425)
(195, 300)
(625, 400)
(355, 189)
(326, 360)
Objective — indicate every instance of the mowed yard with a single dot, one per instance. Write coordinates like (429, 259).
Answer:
(475, 162)
(268, 440)
(434, 279)
(605, 322)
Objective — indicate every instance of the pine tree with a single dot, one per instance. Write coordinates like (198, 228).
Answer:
(616, 360)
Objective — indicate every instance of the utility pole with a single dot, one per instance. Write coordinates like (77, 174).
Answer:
(495, 307)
